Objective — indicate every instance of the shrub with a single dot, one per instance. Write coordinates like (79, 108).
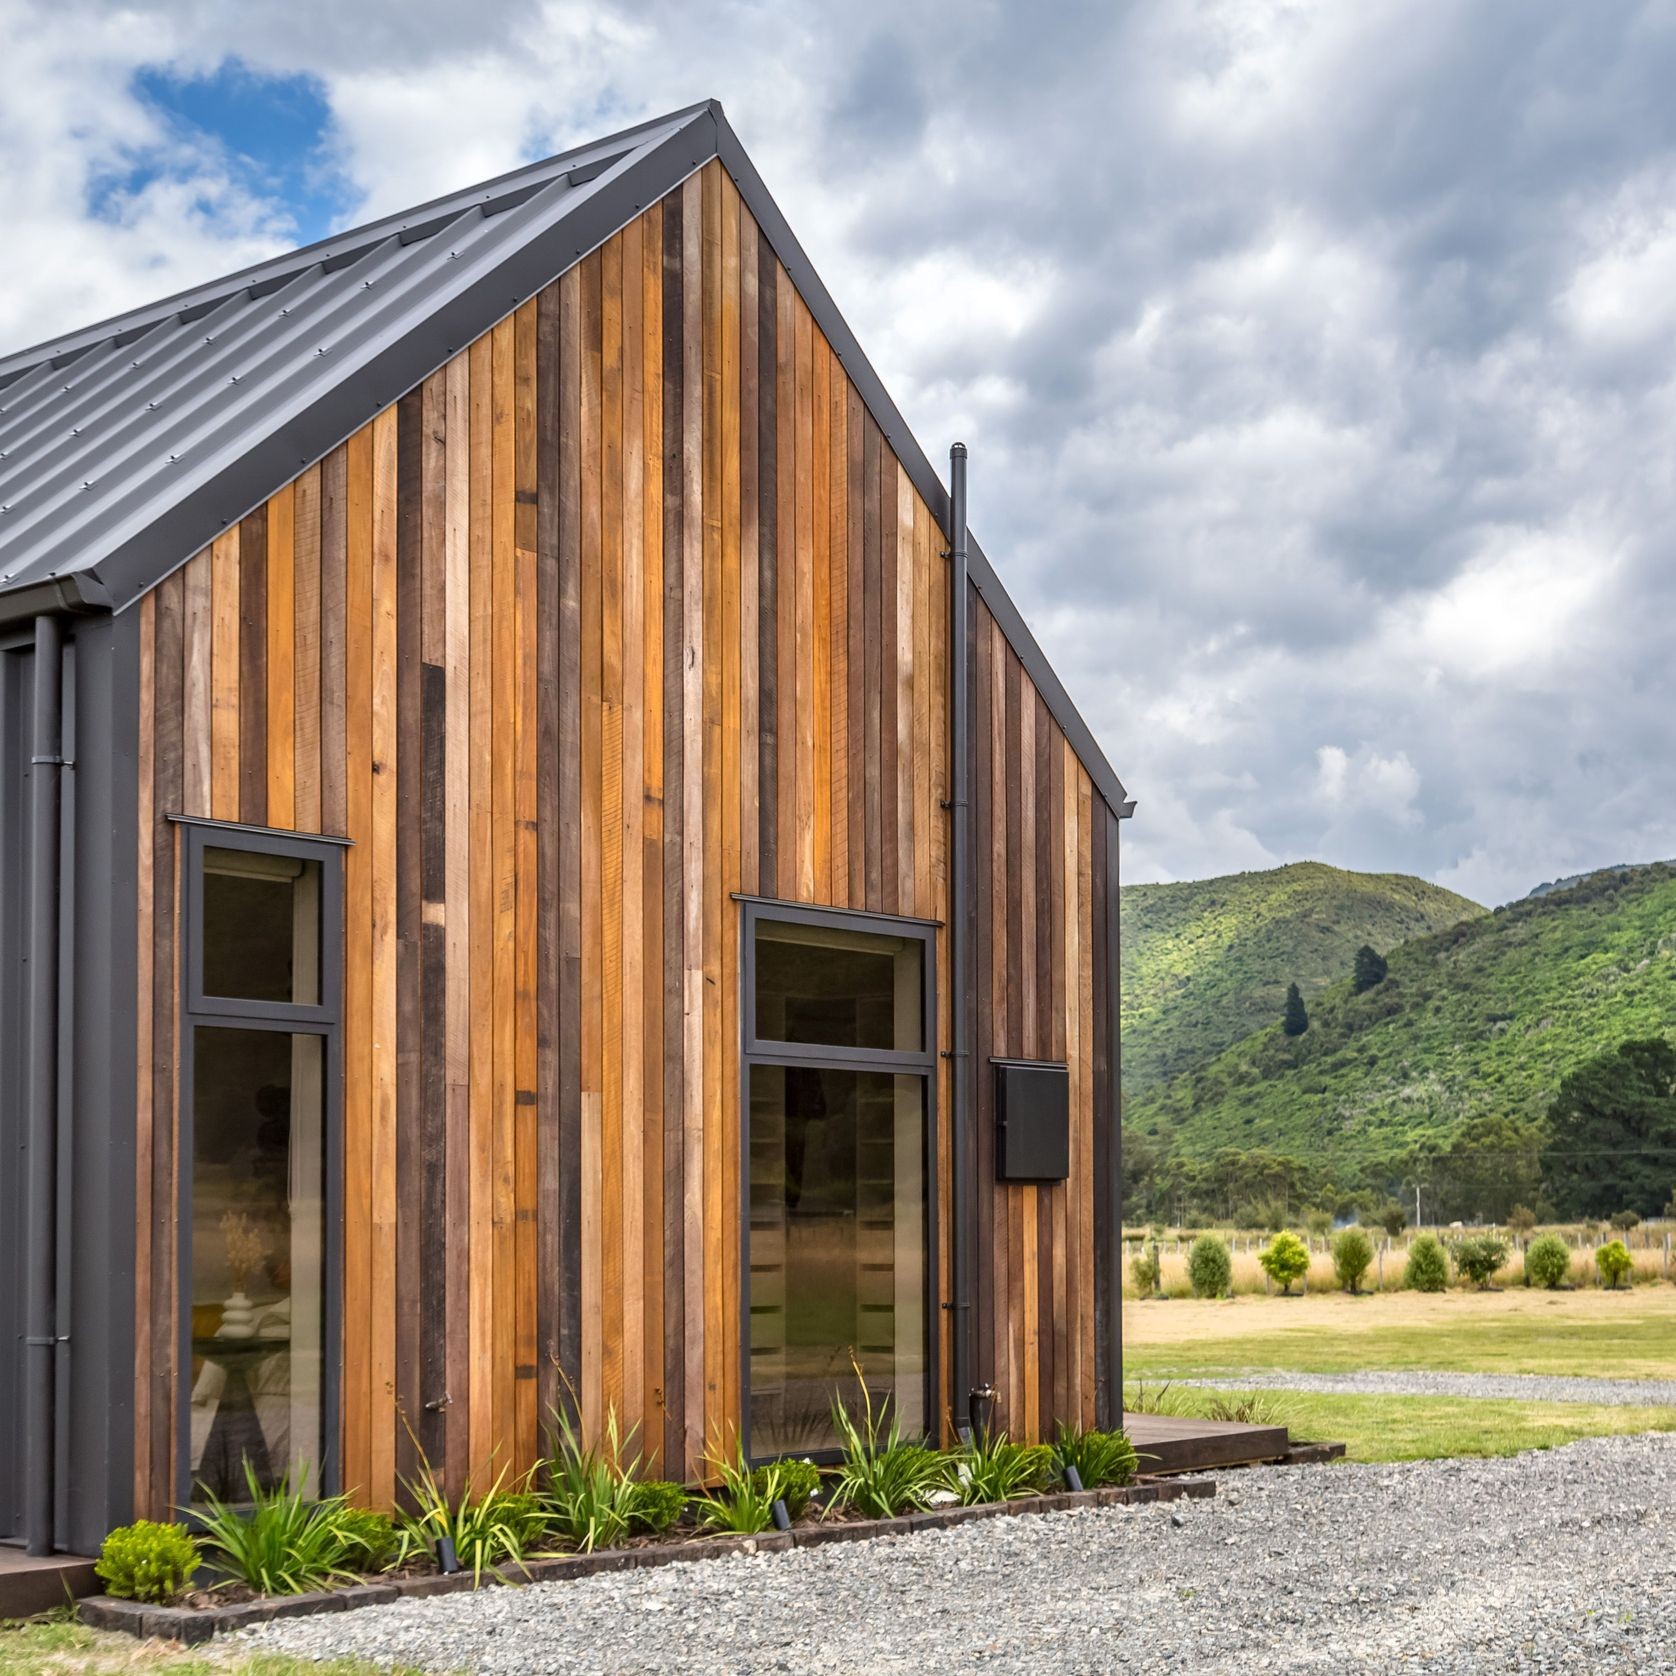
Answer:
(1614, 1262)
(1209, 1267)
(1478, 1257)
(1143, 1270)
(745, 1503)
(1285, 1259)
(1624, 1220)
(1101, 1458)
(883, 1475)
(1427, 1269)
(657, 1505)
(993, 1469)
(1547, 1262)
(282, 1543)
(147, 1561)
(798, 1482)
(591, 1496)
(1248, 1408)
(1318, 1222)
(1521, 1219)
(1393, 1218)
(1352, 1258)
(368, 1539)
(505, 1522)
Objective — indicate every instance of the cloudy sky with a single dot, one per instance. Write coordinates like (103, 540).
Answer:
(1318, 360)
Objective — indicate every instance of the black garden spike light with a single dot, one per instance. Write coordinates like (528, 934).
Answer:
(782, 1515)
(1073, 1479)
(447, 1561)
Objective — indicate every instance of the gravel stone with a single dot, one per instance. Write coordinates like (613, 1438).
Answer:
(1558, 1560)
(1520, 1387)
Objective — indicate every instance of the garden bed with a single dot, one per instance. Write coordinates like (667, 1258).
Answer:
(192, 1624)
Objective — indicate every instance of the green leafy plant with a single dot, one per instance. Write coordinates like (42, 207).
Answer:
(1318, 1222)
(1247, 1408)
(1352, 1258)
(1624, 1220)
(367, 1538)
(589, 1494)
(882, 1474)
(744, 1504)
(282, 1542)
(1547, 1262)
(1285, 1259)
(1427, 1269)
(1479, 1256)
(1521, 1219)
(1101, 1458)
(1141, 1398)
(147, 1561)
(1210, 1269)
(992, 1468)
(798, 1482)
(506, 1522)
(657, 1505)
(1143, 1270)
(1393, 1218)
(1614, 1262)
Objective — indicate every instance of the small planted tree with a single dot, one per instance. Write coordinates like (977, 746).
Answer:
(1209, 1267)
(1615, 1263)
(1143, 1270)
(1624, 1220)
(1294, 1018)
(1352, 1258)
(1478, 1257)
(1548, 1262)
(1285, 1259)
(1427, 1269)
(1393, 1219)
(1318, 1221)
(1370, 969)
(1521, 1219)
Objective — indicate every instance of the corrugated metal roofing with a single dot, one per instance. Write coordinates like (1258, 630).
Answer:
(129, 445)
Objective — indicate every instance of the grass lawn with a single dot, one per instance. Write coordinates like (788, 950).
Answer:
(54, 1648)
(1593, 1334)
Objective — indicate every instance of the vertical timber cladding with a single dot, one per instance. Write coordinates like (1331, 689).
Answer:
(626, 608)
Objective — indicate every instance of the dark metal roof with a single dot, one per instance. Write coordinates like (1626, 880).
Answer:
(125, 447)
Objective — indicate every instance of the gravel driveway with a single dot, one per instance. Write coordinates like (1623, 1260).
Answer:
(1553, 1561)
(1520, 1387)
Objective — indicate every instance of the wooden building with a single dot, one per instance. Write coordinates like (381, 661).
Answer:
(491, 919)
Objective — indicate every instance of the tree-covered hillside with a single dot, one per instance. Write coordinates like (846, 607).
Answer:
(1481, 1021)
(1207, 962)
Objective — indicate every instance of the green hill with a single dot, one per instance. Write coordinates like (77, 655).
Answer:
(1207, 962)
(1482, 1019)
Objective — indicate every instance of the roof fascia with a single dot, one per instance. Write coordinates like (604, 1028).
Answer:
(921, 473)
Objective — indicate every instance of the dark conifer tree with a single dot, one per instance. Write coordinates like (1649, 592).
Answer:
(1370, 968)
(1295, 1020)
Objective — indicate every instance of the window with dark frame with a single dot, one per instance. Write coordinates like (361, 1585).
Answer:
(839, 1063)
(260, 1192)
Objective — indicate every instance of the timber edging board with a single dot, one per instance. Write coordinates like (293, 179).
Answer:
(190, 1625)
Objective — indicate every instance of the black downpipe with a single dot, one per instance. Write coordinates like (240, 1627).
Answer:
(1114, 1120)
(963, 906)
(41, 1179)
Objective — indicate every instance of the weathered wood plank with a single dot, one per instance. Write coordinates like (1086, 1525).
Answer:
(334, 631)
(280, 745)
(197, 724)
(251, 739)
(224, 676)
(768, 572)
(306, 585)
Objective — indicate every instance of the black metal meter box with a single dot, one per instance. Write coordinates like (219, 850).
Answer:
(1032, 1120)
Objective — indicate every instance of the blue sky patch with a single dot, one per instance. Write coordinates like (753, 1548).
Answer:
(269, 131)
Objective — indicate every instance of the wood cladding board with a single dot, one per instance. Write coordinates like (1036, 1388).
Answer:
(626, 609)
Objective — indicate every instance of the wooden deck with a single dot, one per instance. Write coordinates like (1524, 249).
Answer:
(1168, 1443)
(28, 1586)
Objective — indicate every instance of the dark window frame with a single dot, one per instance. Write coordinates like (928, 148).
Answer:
(755, 1051)
(224, 1013)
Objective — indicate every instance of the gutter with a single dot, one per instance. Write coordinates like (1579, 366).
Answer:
(41, 1337)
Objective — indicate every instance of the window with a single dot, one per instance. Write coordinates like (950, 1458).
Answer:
(260, 1187)
(838, 1073)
